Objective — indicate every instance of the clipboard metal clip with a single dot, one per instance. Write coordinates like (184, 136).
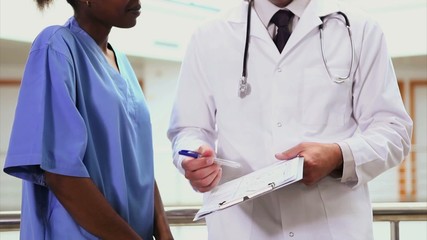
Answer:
(225, 204)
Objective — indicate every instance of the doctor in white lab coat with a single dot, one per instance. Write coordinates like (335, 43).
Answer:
(348, 132)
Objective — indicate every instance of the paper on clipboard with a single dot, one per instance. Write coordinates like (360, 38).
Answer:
(252, 185)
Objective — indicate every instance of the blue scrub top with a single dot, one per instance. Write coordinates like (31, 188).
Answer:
(78, 116)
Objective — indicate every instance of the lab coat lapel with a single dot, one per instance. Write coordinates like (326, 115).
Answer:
(257, 29)
(310, 20)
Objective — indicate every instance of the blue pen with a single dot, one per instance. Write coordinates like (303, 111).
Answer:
(219, 161)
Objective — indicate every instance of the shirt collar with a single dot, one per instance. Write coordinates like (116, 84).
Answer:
(265, 9)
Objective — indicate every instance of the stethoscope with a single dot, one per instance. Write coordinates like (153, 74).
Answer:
(245, 87)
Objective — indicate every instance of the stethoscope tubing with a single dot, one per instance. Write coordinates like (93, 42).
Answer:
(244, 86)
(337, 79)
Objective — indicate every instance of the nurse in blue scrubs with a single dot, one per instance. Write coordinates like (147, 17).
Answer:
(81, 139)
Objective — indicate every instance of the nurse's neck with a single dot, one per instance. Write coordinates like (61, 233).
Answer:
(99, 34)
(281, 3)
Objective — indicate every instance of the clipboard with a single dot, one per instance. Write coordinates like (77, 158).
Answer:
(252, 185)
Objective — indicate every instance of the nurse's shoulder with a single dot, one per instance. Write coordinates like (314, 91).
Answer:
(56, 37)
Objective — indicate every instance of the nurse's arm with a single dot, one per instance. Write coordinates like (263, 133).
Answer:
(161, 226)
(86, 204)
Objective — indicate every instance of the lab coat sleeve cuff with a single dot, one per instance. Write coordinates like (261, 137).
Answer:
(349, 175)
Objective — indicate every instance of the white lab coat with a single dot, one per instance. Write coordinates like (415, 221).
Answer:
(293, 99)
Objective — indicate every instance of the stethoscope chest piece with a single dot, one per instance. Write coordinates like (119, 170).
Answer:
(244, 87)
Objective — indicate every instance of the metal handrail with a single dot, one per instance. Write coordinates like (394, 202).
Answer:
(398, 212)
(183, 216)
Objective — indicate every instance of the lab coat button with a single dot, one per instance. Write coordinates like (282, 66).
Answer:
(291, 234)
(279, 70)
(279, 124)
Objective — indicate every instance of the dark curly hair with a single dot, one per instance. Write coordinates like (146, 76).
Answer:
(42, 4)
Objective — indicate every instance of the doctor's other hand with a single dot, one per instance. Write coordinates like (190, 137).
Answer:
(202, 172)
(320, 159)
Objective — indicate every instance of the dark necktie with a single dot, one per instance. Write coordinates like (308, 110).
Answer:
(281, 19)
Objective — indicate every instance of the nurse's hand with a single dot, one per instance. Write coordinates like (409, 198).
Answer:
(202, 172)
(320, 159)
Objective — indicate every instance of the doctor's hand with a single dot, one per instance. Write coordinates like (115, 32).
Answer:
(202, 172)
(320, 159)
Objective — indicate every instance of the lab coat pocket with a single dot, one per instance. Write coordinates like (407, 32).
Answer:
(322, 100)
